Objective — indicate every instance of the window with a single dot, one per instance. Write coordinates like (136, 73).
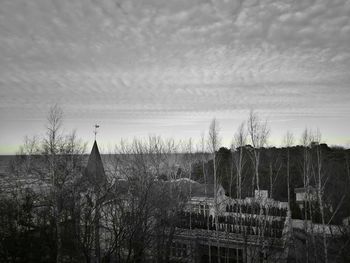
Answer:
(202, 209)
(227, 255)
(206, 212)
(262, 257)
(178, 250)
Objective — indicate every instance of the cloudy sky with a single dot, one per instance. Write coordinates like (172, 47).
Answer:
(168, 67)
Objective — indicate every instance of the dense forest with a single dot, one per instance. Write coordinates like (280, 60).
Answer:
(273, 170)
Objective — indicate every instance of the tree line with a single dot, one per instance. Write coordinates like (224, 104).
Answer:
(133, 214)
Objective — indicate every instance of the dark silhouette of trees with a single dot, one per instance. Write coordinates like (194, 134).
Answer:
(50, 211)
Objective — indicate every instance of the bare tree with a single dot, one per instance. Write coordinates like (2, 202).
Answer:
(288, 142)
(213, 143)
(205, 179)
(52, 165)
(306, 141)
(239, 141)
(204, 159)
(52, 147)
(188, 159)
(64, 158)
(320, 190)
(149, 207)
(258, 133)
(275, 165)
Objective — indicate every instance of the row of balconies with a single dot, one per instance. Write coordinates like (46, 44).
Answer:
(247, 226)
(256, 208)
(226, 237)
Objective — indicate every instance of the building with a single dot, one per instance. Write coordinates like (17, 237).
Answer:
(305, 194)
(233, 230)
(247, 230)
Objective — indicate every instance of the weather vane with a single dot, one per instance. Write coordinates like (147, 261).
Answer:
(95, 130)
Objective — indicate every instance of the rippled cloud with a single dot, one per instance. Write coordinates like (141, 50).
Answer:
(178, 60)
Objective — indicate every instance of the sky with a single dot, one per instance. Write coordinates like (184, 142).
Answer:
(156, 67)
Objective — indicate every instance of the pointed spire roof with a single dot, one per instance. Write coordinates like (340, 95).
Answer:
(94, 170)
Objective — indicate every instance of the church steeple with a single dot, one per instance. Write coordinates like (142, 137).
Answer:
(94, 170)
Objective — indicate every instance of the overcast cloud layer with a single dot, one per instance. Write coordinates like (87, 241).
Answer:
(167, 67)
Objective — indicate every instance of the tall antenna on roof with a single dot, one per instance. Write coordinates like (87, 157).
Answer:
(95, 130)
